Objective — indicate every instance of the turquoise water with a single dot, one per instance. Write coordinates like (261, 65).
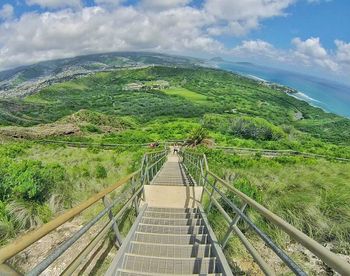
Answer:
(330, 96)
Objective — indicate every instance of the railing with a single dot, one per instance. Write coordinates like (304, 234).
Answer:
(238, 150)
(106, 220)
(217, 193)
(275, 153)
(74, 144)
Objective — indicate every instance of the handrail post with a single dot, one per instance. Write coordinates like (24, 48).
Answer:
(204, 183)
(119, 239)
(133, 184)
(211, 196)
(233, 223)
(202, 173)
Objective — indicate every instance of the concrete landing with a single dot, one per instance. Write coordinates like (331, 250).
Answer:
(173, 196)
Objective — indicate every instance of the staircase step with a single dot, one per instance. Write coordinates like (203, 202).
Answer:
(170, 265)
(164, 215)
(173, 210)
(171, 251)
(124, 272)
(171, 239)
(163, 229)
(171, 184)
(172, 222)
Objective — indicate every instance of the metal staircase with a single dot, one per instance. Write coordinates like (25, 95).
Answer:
(173, 173)
(171, 233)
(170, 240)
(176, 241)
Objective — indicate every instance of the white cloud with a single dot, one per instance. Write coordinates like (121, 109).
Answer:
(156, 25)
(259, 51)
(255, 47)
(6, 12)
(163, 4)
(343, 51)
(240, 17)
(109, 3)
(311, 52)
(159, 25)
(64, 33)
(54, 4)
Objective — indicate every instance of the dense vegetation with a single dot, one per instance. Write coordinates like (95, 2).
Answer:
(204, 91)
(199, 104)
(308, 193)
(37, 181)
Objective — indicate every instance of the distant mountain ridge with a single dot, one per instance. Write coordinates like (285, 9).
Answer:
(26, 80)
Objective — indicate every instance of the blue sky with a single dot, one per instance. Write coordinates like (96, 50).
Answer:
(312, 36)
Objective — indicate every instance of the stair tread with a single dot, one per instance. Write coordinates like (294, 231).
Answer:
(167, 258)
(196, 217)
(171, 251)
(125, 272)
(175, 245)
(172, 215)
(172, 210)
(167, 229)
(171, 239)
(172, 222)
(170, 265)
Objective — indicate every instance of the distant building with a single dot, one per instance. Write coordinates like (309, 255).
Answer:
(133, 86)
(149, 85)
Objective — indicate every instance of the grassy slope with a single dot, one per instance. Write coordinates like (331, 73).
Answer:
(185, 93)
(309, 194)
(224, 91)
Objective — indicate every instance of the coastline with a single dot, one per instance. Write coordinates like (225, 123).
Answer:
(293, 92)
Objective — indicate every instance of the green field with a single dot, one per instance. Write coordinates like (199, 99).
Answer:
(185, 93)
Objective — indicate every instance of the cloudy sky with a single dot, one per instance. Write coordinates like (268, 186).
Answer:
(306, 35)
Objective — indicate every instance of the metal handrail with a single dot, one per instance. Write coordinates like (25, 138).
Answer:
(151, 164)
(330, 258)
(282, 152)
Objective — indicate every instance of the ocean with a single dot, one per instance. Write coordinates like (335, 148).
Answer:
(330, 96)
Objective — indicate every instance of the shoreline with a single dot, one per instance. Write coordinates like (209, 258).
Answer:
(295, 93)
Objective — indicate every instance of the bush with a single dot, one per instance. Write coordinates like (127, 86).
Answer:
(28, 214)
(13, 150)
(101, 172)
(7, 229)
(254, 128)
(29, 180)
(196, 136)
(91, 128)
(244, 127)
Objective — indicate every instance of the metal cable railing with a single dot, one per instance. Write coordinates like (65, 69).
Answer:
(128, 198)
(276, 153)
(216, 191)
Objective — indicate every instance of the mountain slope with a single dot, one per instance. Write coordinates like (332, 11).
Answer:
(29, 79)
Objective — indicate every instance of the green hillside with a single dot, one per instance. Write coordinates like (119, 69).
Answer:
(137, 106)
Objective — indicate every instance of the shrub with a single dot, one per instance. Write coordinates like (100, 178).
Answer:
(30, 180)
(7, 229)
(196, 136)
(101, 172)
(13, 150)
(91, 128)
(244, 127)
(28, 214)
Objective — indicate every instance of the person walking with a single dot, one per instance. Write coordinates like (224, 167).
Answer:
(176, 149)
